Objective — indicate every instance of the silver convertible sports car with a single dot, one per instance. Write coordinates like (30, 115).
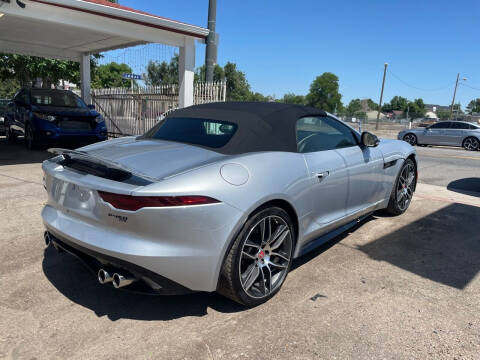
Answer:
(450, 133)
(220, 197)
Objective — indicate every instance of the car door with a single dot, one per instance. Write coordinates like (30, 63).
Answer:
(365, 173)
(455, 134)
(434, 134)
(327, 171)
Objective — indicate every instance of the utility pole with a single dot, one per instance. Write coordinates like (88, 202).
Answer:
(454, 94)
(211, 51)
(381, 96)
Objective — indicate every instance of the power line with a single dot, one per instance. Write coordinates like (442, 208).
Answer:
(418, 88)
(470, 87)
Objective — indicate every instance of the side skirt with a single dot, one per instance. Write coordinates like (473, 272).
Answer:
(309, 246)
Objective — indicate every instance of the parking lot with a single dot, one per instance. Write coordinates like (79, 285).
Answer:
(395, 287)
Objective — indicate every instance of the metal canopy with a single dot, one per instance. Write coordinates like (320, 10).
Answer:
(68, 29)
(74, 29)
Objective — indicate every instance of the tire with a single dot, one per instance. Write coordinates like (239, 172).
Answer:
(403, 189)
(31, 141)
(254, 269)
(10, 135)
(410, 138)
(471, 144)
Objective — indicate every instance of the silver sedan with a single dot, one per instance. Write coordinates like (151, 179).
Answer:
(220, 197)
(449, 133)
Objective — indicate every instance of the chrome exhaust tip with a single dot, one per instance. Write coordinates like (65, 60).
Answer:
(104, 276)
(121, 281)
(47, 238)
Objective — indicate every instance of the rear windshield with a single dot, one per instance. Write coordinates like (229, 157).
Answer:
(56, 98)
(203, 132)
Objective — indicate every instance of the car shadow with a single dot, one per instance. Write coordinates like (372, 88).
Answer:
(15, 152)
(77, 283)
(467, 186)
(302, 260)
(443, 246)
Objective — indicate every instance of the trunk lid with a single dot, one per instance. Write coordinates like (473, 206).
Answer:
(155, 159)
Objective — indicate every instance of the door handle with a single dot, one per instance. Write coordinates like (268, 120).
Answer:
(322, 175)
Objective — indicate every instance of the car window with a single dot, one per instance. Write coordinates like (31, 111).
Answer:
(57, 98)
(322, 133)
(442, 125)
(473, 127)
(203, 132)
(459, 125)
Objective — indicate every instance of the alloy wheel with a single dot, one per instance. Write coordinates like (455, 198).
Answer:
(410, 138)
(265, 257)
(471, 144)
(405, 186)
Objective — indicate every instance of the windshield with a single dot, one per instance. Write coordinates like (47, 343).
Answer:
(203, 132)
(59, 98)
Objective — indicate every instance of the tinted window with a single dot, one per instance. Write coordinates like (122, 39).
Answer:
(459, 125)
(204, 132)
(473, 127)
(322, 133)
(57, 98)
(442, 125)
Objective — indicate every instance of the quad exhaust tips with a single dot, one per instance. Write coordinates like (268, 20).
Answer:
(121, 281)
(104, 277)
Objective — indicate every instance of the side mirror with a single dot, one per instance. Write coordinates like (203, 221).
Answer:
(91, 107)
(369, 140)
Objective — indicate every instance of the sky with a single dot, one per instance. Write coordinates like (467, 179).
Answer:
(283, 45)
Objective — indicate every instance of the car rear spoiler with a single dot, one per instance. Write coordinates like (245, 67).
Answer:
(69, 154)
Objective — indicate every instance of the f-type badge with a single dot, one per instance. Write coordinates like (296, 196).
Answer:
(118, 217)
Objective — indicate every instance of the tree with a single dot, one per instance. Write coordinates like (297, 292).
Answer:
(218, 74)
(238, 88)
(324, 93)
(291, 98)
(397, 103)
(8, 88)
(372, 105)
(416, 109)
(111, 75)
(26, 69)
(473, 106)
(162, 73)
(443, 114)
(353, 107)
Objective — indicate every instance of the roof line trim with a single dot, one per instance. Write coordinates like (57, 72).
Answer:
(133, 21)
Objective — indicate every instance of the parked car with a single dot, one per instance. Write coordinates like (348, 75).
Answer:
(451, 133)
(46, 116)
(220, 197)
(3, 115)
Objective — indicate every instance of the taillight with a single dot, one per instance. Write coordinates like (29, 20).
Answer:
(133, 203)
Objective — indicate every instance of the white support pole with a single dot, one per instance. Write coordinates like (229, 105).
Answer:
(85, 78)
(186, 68)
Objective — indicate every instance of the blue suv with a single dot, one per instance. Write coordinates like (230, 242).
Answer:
(47, 116)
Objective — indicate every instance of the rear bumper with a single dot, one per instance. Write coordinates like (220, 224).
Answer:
(182, 245)
(95, 261)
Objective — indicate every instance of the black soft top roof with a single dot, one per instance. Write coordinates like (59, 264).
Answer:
(262, 126)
